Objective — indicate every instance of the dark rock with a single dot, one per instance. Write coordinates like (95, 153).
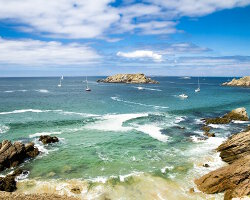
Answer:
(191, 190)
(8, 182)
(209, 134)
(46, 139)
(205, 128)
(12, 155)
(76, 190)
(206, 165)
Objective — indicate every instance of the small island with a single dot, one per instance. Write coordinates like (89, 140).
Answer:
(242, 82)
(128, 78)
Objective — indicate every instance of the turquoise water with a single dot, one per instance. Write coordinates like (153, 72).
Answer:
(116, 129)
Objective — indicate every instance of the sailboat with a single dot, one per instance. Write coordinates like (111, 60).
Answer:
(60, 83)
(198, 89)
(87, 87)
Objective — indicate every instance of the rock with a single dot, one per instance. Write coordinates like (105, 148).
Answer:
(191, 190)
(236, 147)
(206, 165)
(46, 139)
(128, 78)
(76, 190)
(205, 128)
(237, 114)
(234, 179)
(12, 155)
(242, 82)
(8, 182)
(209, 134)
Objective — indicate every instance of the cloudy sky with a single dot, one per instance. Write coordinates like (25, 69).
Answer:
(103, 37)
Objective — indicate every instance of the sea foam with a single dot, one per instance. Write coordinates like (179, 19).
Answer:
(4, 129)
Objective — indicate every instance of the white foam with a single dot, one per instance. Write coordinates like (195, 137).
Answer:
(112, 122)
(219, 126)
(43, 91)
(124, 177)
(153, 131)
(240, 122)
(179, 119)
(4, 129)
(145, 88)
(9, 91)
(77, 113)
(23, 111)
(44, 133)
(136, 103)
(196, 139)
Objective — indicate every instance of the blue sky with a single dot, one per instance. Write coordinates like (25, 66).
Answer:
(103, 37)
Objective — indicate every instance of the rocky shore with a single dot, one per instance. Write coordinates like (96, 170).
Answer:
(129, 78)
(242, 82)
(233, 179)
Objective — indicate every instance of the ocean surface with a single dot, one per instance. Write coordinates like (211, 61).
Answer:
(119, 140)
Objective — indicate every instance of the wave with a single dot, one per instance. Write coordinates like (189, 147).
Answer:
(112, 122)
(4, 129)
(11, 91)
(43, 91)
(145, 88)
(179, 119)
(219, 126)
(24, 111)
(153, 131)
(44, 133)
(164, 169)
(135, 103)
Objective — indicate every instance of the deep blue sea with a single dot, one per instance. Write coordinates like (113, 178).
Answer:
(119, 140)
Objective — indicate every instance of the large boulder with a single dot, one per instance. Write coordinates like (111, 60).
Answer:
(12, 155)
(242, 82)
(128, 78)
(237, 114)
(46, 139)
(233, 179)
(8, 183)
(236, 147)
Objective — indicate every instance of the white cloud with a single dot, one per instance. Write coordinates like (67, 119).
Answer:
(35, 52)
(99, 18)
(141, 54)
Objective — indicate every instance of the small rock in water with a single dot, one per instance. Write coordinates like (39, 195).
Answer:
(76, 190)
(191, 190)
(206, 165)
(46, 139)
(209, 134)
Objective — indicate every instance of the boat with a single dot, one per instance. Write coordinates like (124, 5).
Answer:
(140, 88)
(87, 87)
(183, 96)
(198, 89)
(61, 77)
(60, 83)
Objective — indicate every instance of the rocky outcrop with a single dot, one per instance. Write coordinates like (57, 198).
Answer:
(237, 114)
(8, 182)
(128, 78)
(236, 147)
(12, 155)
(242, 82)
(233, 179)
(46, 139)
(206, 130)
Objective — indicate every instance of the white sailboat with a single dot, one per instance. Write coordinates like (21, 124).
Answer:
(60, 83)
(183, 96)
(198, 89)
(87, 86)
(61, 77)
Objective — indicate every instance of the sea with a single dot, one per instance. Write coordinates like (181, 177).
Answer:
(119, 141)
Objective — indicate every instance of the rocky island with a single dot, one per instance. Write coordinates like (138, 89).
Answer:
(242, 82)
(128, 78)
(233, 179)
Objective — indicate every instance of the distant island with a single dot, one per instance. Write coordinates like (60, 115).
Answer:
(242, 82)
(128, 78)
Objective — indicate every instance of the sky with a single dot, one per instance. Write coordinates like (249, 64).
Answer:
(105, 37)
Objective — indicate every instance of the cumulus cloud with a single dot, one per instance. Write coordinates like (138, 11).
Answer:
(99, 18)
(36, 52)
(141, 54)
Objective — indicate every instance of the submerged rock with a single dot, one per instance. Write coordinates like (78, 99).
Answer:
(128, 78)
(242, 82)
(237, 114)
(46, 139)
(12, 155)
